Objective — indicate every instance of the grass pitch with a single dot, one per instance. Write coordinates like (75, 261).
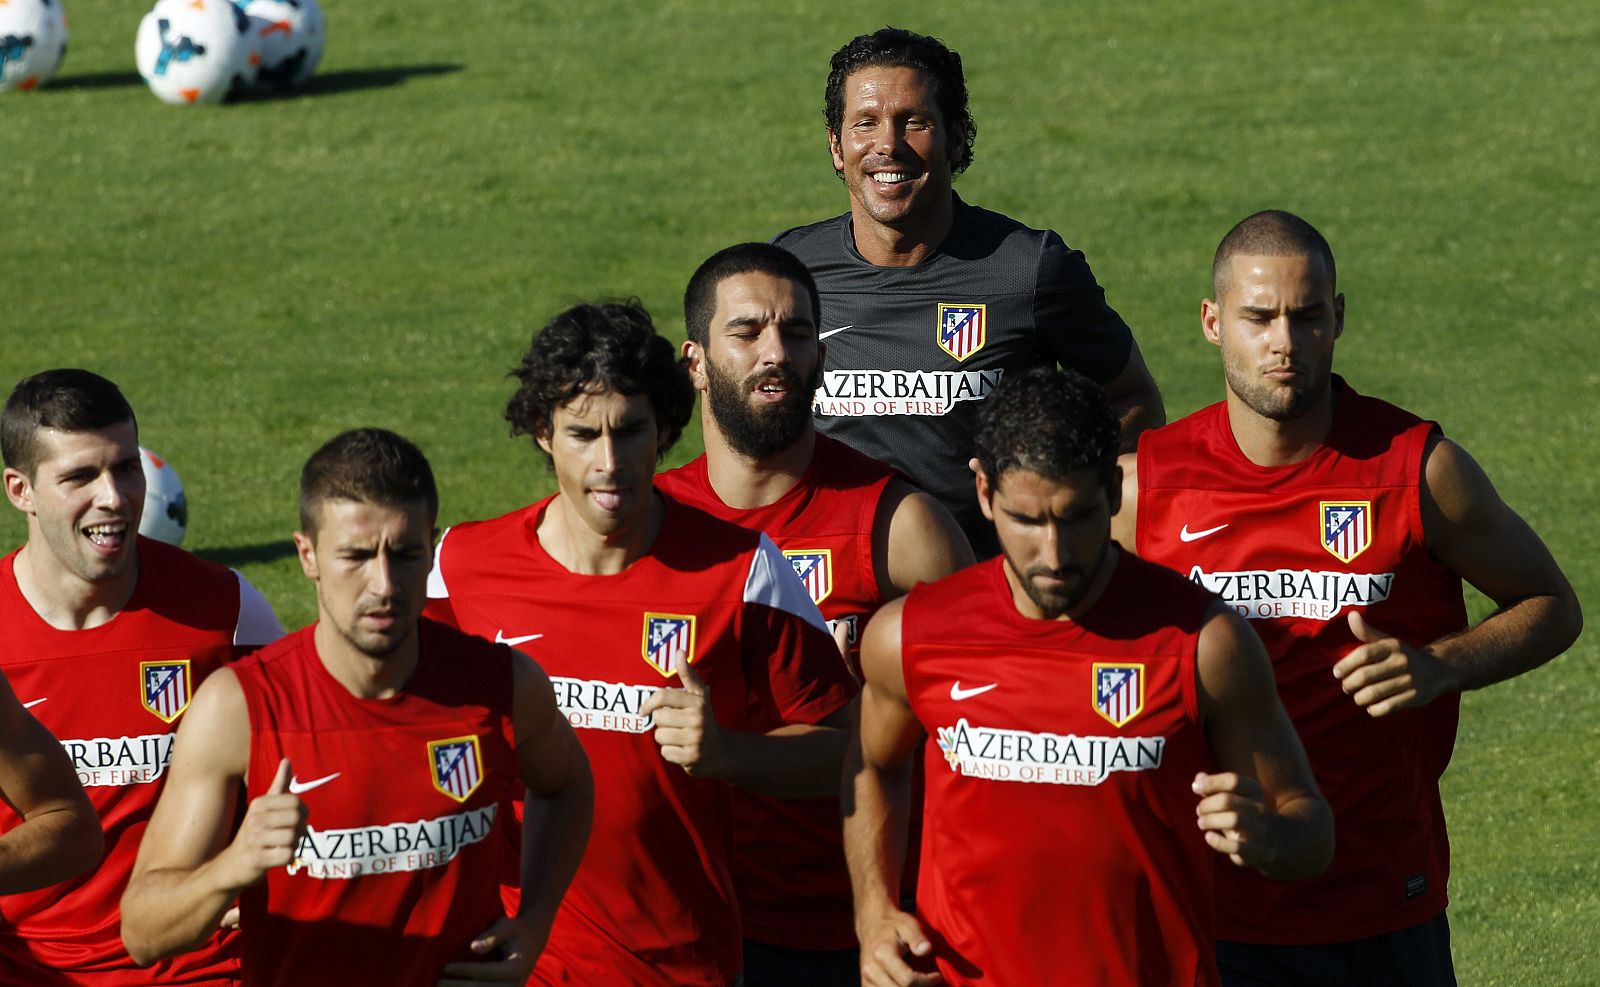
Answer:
(377, 251)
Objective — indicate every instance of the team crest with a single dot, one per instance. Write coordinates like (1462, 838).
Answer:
(164, 688)
(962, 329)
(668, 639)
(815, 569)
(1346, 528)
(1118, 691)
(456, 766)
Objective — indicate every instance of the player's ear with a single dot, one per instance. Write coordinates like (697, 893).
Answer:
(984, 490)
(694, 361)
(835, 150)
(1338, 315)
(1211, 321)
(1114, 492)
(18, 490)
(306, 550)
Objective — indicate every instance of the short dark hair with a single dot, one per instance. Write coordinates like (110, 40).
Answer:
(67, 399)
(609, 346)
(1270, 233)
(893, 47)
(368, 466)
(1050, 422)
(700, 298)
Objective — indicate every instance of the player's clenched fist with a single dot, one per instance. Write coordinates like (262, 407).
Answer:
(885, 941)
(1234, 816)
(1386, 674)
(685, 726)
(273, 826)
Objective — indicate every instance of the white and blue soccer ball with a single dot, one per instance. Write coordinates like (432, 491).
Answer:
(166, 509)
(291, 35)
(195, 51)
(33, 41)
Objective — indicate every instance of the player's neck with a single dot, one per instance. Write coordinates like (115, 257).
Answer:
(903, 246)
(569, 539)
(65, 601)
(745, 482)
(365, 676)
(1271, 442)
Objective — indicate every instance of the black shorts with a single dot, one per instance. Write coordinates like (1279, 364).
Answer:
(782, 966)
(1414, 957)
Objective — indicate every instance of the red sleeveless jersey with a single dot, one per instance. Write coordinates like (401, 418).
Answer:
(789, 869)
(1294, 548)
(408, 799)
(1059, 843)
(113, 696)
(653, 901)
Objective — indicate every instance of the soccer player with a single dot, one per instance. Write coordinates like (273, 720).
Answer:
(1341, 526)
(104, 636)
(675, 641)
(1093, 724)
(930, 300)
(380, 752)
(857, 533)
(58, 836)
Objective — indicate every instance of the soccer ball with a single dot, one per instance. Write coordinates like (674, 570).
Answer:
(166, 509)
(33, 41)
(195, 51)
(291, 37)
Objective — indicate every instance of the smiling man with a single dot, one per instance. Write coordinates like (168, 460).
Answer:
(104, 636)
(1342, 527)
(1096, 730)
(684, 650)
(380, 753)
(930, 301)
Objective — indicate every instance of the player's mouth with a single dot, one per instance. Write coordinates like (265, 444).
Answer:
(1285, 374)
(772, 390)
(108, 536)
(610, 499)
(894, 179)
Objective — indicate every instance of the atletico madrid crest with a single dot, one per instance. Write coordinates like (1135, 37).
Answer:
(962, 329)
(668, 639)
(1118, 691)
(164, 688)
(815, 569)
(1346, 528)
(456, 766)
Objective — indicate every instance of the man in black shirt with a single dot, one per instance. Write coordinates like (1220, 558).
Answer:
(931, 300)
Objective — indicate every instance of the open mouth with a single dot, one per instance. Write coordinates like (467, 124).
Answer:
(892, 178)
(108, 536)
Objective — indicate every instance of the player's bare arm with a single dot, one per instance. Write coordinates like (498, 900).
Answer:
(798, 760)
(915, 539)
(1125, 523)
(1135, 399)
(1477, 535)
(559, 811)
(188, 872)
(876, 798)
(59, 837)
(1263, 809)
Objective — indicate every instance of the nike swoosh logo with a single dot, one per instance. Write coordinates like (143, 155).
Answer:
(834, 332)
(1187, 535)
(500, 638)
(34, 703)
(957, 693)
(296, 786)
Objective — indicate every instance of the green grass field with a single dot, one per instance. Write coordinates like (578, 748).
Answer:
(378, 251)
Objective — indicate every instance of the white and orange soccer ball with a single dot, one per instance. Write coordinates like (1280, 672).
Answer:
(166, 509)
(196, 51)
(33, 41)
(291, 35)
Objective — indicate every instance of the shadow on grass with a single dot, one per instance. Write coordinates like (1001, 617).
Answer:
(99, 80)
(353, 80)
(237, 555)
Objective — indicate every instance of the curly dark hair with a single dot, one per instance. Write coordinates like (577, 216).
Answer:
(1050, 422)
(893, 47)
(607, 346)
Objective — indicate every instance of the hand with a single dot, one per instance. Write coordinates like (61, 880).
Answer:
(230, 918)
(514, 948)
(1385, 674)
(685, 726)
(841, 637)
(885, 940)
(1233, 815)
(272, 828)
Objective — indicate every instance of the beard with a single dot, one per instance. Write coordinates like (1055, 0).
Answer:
(755, 431)
(1076, 582)
(1275, 402)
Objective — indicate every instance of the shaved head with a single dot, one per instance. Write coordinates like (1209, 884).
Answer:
(1270, 233)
